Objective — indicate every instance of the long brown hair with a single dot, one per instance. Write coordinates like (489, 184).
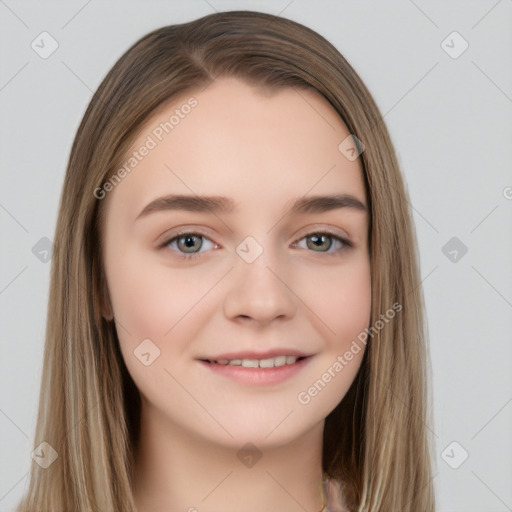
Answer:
(376, 440)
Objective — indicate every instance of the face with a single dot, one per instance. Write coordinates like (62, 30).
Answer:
(198, 285)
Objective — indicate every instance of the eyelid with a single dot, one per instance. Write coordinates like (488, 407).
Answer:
(200, 230)
(322, 228)
(345, 242)
(170, 238)
(169, 235)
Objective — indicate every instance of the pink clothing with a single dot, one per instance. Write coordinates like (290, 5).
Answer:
(335, 498)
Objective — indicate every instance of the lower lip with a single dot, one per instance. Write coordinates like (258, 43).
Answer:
(258, 376)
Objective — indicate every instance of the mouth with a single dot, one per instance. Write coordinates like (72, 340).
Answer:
(251, 362)
(257, 371)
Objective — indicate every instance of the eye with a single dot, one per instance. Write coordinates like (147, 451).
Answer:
(325, 240)
(189, 243)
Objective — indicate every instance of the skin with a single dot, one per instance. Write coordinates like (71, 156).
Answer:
(262, 149)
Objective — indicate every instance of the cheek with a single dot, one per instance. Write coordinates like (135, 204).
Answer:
(147, 297)
(147, 304)
(151, 301)
(138, 298)
(342, 302)
(343, 306)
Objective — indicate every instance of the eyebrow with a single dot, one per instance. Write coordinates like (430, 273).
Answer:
(222, 204)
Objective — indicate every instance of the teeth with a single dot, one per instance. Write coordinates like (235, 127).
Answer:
(280, 361)
(258, 363)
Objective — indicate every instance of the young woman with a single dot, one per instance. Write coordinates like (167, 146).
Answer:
(235, 316)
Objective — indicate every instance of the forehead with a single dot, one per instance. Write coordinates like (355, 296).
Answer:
(237, 140)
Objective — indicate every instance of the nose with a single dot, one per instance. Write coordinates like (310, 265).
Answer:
(260, 291)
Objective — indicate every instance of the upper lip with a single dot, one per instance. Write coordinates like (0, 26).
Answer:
(251, 354)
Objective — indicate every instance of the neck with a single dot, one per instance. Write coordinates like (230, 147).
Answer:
(176, 470)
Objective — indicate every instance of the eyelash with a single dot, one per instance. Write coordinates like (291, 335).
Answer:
(346, 244)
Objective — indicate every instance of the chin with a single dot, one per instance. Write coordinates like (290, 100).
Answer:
(265, 433)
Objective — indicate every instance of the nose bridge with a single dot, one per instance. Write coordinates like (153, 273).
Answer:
(256, 288)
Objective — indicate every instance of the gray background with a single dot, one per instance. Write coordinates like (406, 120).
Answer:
(450, 120)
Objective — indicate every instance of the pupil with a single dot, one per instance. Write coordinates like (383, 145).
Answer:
(189, 241)
(318, 242)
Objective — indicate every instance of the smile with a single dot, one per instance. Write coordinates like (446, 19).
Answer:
(258, 363)
(273, 370)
